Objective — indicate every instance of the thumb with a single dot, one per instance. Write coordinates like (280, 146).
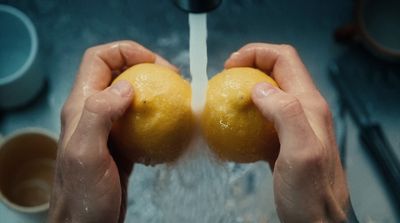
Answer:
(285, 110)
(101, 109)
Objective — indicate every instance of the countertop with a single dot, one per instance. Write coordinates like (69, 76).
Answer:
(67, 28)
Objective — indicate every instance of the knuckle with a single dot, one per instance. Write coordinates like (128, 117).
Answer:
(324, 108)
(73, 156)
(77, 156)
(290, 107)
(288, 49)
(91, 52)
(253, 45)
(130, 47)
(321, 106)
(75, 159)
(130, 42)
(310, 156)
(97, 104)
(316, 103)
(311, 159)
(70, 157)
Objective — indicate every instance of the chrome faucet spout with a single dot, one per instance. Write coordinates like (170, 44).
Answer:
(197, 6)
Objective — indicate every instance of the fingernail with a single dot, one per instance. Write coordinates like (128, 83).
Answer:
(263, 90)
(122, 88)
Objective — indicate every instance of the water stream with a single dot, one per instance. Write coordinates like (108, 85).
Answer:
(198, 60)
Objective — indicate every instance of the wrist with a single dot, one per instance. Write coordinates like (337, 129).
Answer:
(323, 208)
(70, 209)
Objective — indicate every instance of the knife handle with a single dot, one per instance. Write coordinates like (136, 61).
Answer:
(377, 145)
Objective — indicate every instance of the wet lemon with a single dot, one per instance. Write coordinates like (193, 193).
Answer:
(157, 126)
(232, 125)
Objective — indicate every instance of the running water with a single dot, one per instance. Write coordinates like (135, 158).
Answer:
(197, 188)
(198, 60)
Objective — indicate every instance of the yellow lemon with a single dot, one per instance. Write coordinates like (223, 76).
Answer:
(157, 126)
(232, 125)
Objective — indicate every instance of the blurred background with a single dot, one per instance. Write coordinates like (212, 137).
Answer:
(360, 81)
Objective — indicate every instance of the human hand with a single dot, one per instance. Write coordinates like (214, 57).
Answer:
(309, 181)
(91, 178)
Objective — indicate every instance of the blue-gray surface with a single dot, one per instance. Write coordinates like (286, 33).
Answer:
(67, 28)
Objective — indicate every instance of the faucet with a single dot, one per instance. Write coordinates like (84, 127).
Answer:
(197, 6)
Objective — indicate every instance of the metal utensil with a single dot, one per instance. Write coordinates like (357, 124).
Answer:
(371, 133)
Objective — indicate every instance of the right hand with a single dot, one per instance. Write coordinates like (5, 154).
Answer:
(309, 181)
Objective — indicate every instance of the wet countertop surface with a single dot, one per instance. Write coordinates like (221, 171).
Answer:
(67, 28)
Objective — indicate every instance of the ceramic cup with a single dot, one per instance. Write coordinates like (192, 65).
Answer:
(27, 163)
(376, 26)
(20, 78)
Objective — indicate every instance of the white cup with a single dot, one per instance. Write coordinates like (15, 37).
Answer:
(27, 164)
(20, 78)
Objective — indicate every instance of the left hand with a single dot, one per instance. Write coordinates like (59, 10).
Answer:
(91, 178)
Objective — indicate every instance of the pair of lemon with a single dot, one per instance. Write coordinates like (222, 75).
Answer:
(159, 123)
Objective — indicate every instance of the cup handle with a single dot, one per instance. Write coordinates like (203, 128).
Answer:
(347, 32)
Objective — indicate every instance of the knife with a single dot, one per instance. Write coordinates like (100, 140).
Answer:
(371, 134)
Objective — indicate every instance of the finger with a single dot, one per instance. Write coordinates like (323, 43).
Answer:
(285, 111)
(98, 63)
(96, 73)
(281, 61)
(287, 69)
(161, 61)
(100, 110)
